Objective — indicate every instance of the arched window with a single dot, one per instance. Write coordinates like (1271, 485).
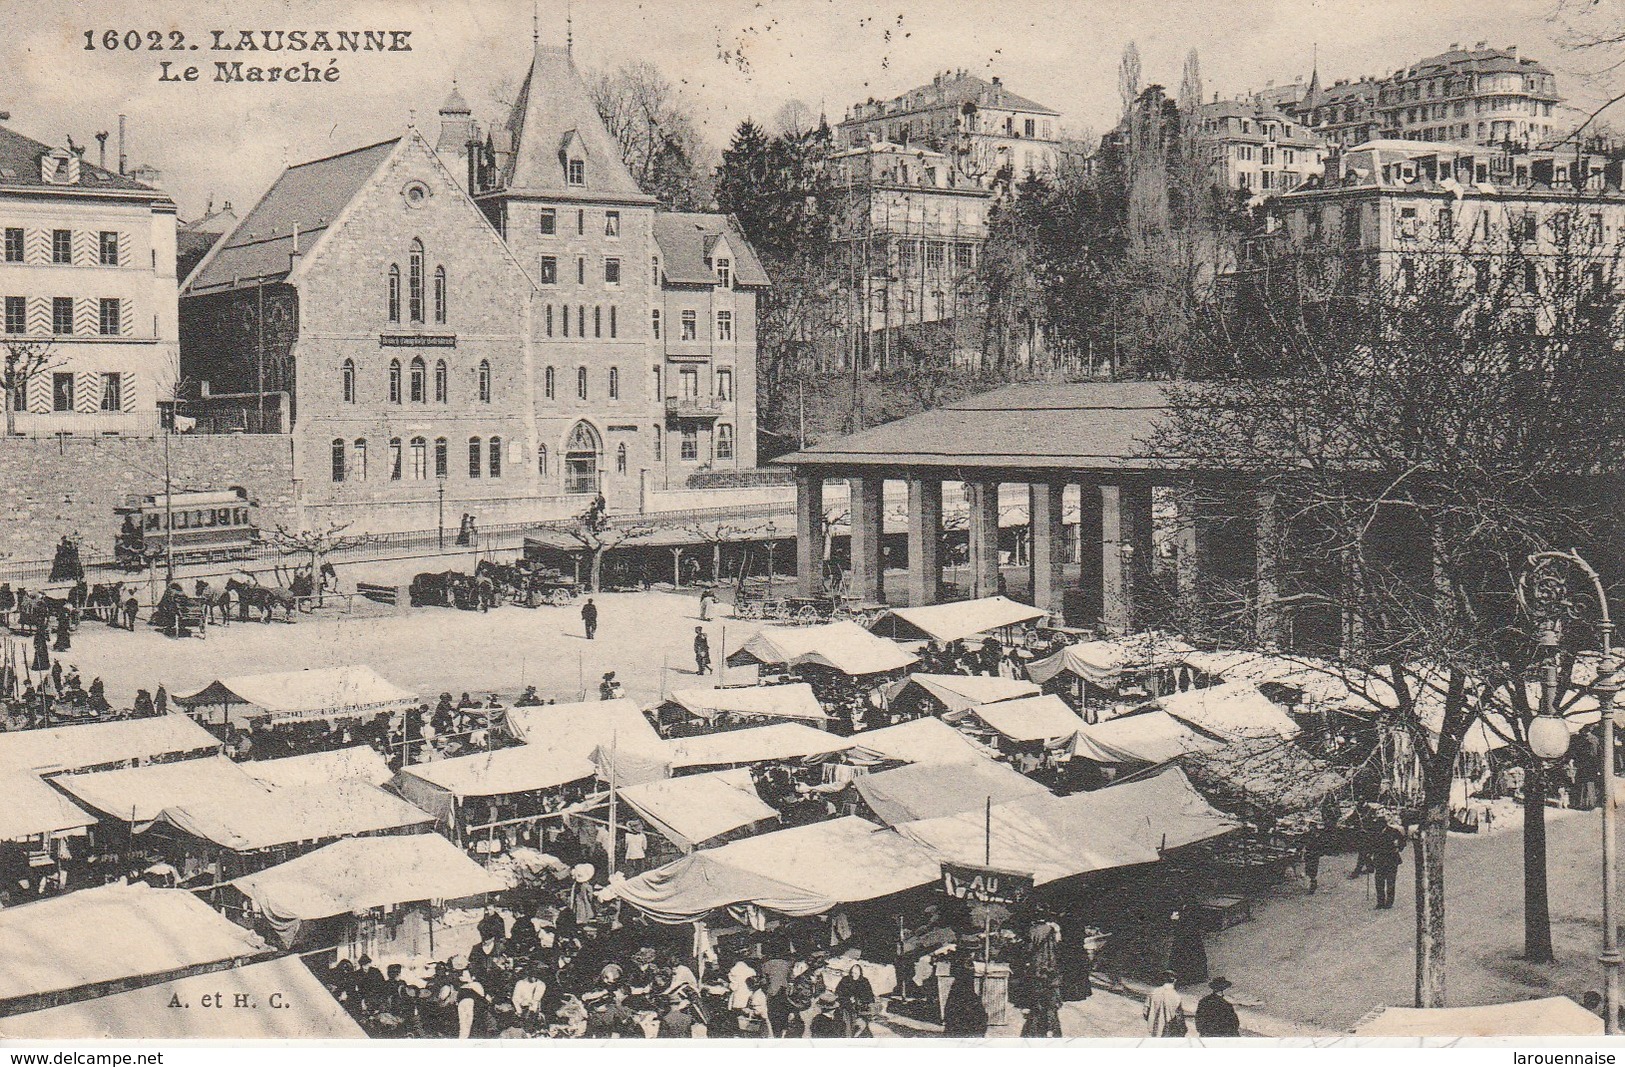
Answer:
(581, 452)
(338, 459)
(620, 459)
(658, 436)
(440, 294)
(414, 281)
(394, 293)
(581, 382)
(347, 381)
(358, 461)
(394, 381)
(496, 457)
(550, 383)
(441, 457)
(418, 381)
(598, 320)
(420, 458)
(541, 460)
(474, 456)
(394, 459)
(614, 383)
(725, 441)
(485, 381)
(442, 381)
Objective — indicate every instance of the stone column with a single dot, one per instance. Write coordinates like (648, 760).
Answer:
(1269, 539)
(1125, 552)
(1091, 553)
(984, 537)
(1048, 545)
(809, 533)
(924, 537)
(1190, 544)
(868, 526)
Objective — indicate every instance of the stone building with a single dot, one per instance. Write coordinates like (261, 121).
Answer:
(1256, 148)
(89, 274)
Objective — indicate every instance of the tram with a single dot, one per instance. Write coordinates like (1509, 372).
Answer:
(195, 527)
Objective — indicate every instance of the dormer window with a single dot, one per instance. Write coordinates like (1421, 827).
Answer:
(725, 273)
(59, 167)
(576, 171)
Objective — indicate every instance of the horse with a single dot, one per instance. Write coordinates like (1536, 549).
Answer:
(262, 598)
(105, 600)
(214, 601)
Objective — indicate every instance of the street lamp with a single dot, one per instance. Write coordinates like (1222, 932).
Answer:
(1542, 591)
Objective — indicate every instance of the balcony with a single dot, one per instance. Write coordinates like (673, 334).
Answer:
(693, 407)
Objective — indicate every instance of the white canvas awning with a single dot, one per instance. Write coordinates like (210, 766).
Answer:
(805, 870)
(109, 934)
(795, 701)
(361, 873)
(1040, 718)
(956, 692)
(314, 693)
(245, 822)
(100, 744)
(844, 646)
(1545, 1017)
(929, 790)
(578, 728)
(360, 763)
(1232, 711)
(698, 808)
(756, 744)
(925, 740)
(284, 1002)
(30, 808)
(1143, 737)
(137, 794)
(522, 769)
(957, 620)
(1106, 663)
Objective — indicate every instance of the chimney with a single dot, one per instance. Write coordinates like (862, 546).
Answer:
(121, 156)
(101, 150)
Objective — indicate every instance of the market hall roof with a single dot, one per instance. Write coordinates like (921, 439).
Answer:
(1065, 426)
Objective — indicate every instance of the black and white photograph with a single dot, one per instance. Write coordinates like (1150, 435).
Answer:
(786, 522)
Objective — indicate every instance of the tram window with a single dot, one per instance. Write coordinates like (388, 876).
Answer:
(180, 520)
(197, 518)
(154, 520)
(225, 516)
(207, 517)
(242, 516)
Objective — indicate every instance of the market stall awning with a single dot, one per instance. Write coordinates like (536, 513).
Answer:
(957, 620)
(697, 808)
(577, 729)
(1040, 718)
(1059, 837)
(1545, 1017)
(805, 870)
(521, 769)
(929, 790)
(1140, 737)
(956, 692)
(245, 822)
(925, 740)
(1320, 683)
(98, 744)
(844, 646)
(755, 744)
(109, 934)
(137, 794)
(1231, 711)
(358, 763)
(795, 701)
(361, 873)
(303, 1010)
(1105, 663)
(29, 808)
(313, 693)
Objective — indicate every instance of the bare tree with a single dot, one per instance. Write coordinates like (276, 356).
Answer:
(1128, 76)
(794, 118)
(22, 360)
(653, 129)
(317, 547)
(596, 532)
(717, 532)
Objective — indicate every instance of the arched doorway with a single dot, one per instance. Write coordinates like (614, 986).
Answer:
(581, 456)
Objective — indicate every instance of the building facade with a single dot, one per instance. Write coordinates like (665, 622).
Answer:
(983, 128)
(88, 282)
(1258, 149)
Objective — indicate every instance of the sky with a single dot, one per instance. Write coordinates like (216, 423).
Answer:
(732, 59)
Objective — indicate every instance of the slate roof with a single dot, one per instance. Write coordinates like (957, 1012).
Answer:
(1071, 426)
(553, 103)
(961, 89)
(308, 195)
(19, 169)
(686, 239)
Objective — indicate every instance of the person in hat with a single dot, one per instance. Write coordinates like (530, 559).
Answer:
(964, 1014)
(589, 618)
(1164, 1008)
(679, 1018)
(1388, 845)
(702, 651)
(606, 687)
(1215, 1016)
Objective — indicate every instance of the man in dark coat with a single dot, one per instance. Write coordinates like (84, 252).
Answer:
(1215, 1017)
(702, 651)
(589, 618)
(1385, 858)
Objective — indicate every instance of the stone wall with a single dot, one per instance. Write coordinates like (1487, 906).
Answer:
(53, 487)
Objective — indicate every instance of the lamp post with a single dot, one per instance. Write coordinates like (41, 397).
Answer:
(1542, 591)
(441, 536)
